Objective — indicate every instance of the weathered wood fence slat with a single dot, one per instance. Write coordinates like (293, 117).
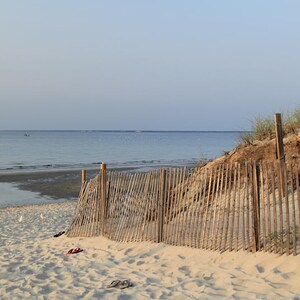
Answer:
(251, 206)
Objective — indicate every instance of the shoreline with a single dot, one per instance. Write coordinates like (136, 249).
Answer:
(54, 183)
(43, 186)
(51, 186)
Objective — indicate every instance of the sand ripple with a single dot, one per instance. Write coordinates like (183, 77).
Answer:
(33, 265)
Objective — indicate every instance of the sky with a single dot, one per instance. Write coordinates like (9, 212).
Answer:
(147, 65)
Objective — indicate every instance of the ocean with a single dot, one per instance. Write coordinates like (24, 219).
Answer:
(44, 166)
(53, 150)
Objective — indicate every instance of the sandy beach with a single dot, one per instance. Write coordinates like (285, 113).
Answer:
(149, 150)
(34, 265)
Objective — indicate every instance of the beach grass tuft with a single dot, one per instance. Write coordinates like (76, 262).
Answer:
(263, 128)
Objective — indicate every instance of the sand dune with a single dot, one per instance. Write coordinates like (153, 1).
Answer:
(34, 265)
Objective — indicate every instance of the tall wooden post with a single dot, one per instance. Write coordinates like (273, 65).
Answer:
(280, 150)
(103, 197)
(83, 175)
(161, 205)
(256, 208)
(279, 138)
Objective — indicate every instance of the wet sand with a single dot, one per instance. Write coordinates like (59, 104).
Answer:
(57, 184)
(62, 184)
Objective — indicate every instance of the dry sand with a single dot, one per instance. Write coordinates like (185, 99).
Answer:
(33, 265)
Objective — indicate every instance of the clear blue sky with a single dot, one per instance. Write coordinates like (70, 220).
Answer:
(159, 65)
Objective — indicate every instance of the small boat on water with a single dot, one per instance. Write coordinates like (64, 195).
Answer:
(26, 134)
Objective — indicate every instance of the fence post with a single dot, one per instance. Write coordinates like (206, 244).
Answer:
(256, 208)
(279, 137)
(103, 197)
(161, 205)
(280, 150)
(83, 175)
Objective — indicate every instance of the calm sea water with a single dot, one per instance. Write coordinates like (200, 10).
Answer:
(34, 150)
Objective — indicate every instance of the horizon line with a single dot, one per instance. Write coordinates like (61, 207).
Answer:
(114, 130)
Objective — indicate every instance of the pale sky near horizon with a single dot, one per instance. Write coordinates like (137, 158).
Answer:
(152, 65)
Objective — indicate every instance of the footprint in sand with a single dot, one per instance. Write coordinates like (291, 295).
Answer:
(136, 273)
(131, 261)
(42, 276)
(286, 275)
(11, 270)
(14, 264)
(124, 297)
(29, 272)
(11, 288)
(50, 265)
(60, 277)
(185, 270)
(150, 293)
(127, 251)
(112, 260)
(22, 268)
(260, 268)
(152, 280)
(207, 276)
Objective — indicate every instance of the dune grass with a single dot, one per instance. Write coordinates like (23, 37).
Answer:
(264, 128)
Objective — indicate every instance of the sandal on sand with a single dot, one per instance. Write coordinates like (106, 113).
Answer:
(59, 234)
(114, 283)
(74, 250)
(121, 284)
(125, 284)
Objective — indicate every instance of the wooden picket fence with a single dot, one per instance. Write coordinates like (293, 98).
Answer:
(251, 207)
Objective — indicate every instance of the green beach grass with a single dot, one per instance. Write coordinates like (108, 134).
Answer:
(264, 128)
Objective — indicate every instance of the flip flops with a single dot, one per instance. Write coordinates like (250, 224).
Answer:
(59, 234)
(125, 284)
(114, 283)
(74, 250)
(121, 284)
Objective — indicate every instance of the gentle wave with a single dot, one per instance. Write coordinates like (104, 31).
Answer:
(133, 164)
